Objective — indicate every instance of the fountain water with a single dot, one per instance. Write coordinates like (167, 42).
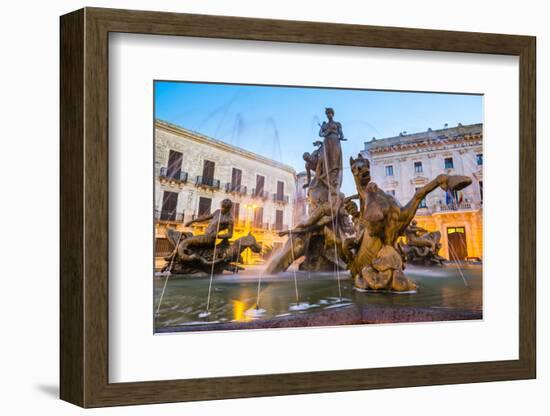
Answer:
(276, 153)
(236, 131)
(255, 311)
(294, 268)
(237, 260)
(168, 272)
(455, 259)
(207, 312)
(333, 223)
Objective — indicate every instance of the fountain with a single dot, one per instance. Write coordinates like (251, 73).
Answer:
(370, 252)
(341, 239)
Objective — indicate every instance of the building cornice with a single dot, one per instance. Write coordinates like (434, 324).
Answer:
(469, 135)
(201, 138)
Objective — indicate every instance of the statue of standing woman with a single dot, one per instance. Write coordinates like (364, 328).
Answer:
(331, 167)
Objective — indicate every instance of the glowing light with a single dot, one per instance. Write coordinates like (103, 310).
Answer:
(239, 309)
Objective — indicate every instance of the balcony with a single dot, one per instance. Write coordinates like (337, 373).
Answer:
(423, 211)
(244, 224)
(239, 223)
(463, 206)
(177, 177)
(235, 189)
(259, 194)
(208, 183)
(260, 225)
(281, 199)
(279, 227)
(169, 217)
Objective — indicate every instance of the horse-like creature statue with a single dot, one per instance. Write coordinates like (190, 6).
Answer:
(376, 264)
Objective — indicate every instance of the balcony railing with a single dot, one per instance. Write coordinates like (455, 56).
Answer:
(205, 182)
(260, 194)
(238, 223)
(279, 227)
(169, 217)
(463, 206)
(282, 199)
(195, 216)
(180, 176)
(259, 225)
(235, 189)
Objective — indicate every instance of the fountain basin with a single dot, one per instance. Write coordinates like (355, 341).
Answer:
(441, 296)
(346, 315)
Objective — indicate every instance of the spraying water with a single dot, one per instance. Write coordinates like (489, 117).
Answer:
(453, 253)
(293, 269)
(276, 153)
(238, 127)
(316, 121)
(168, 273)
(258, 291)
(224, 108)
(212, 269)
(333, 222)
(238, 254)
(455, 259)
(163, 290)
(256, 311)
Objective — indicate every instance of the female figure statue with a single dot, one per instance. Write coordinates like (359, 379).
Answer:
(330, 167)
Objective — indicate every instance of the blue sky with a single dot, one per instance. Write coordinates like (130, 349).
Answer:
(282, 122)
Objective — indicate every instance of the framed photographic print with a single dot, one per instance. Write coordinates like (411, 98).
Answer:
(256, 207)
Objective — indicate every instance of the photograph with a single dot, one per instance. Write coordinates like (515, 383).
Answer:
(287, 206)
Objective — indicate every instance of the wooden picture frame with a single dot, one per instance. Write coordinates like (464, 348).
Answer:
(84, 207)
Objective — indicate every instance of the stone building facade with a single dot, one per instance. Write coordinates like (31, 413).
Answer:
(194, 173)
(401, 164)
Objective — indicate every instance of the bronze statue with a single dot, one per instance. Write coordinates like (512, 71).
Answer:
(196, 253)
(312, 160)
(368, 248)
(353, 241)
(319, 238)
(331, 166)
(220, 220)
(377, 264)
(321, 216)
(421, 246)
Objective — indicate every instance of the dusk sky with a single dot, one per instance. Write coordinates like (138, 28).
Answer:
(282, 122)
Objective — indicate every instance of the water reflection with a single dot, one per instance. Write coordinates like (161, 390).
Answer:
(239, 311)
